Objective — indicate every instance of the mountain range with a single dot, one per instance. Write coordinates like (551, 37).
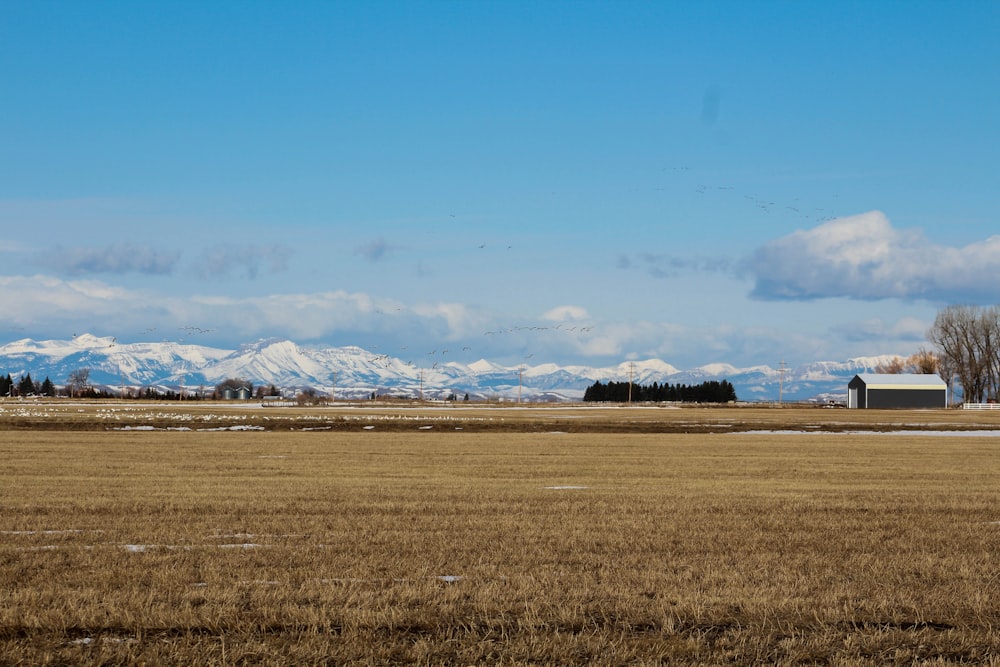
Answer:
(353, 372)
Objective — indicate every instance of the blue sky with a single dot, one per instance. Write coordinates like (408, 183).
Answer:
(575, 182)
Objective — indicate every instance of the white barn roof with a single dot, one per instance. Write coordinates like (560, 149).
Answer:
(902, 381)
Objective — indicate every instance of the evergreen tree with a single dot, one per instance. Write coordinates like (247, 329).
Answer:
(26, 387)
(712, 391)
(48, 389)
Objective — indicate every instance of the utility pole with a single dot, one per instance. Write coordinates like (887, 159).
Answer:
(520, 373)
(121, 375)
(121, 372)
(121, 378)
(631, 373)
(781, 381)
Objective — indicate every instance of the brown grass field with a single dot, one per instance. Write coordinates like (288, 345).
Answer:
(471, 535)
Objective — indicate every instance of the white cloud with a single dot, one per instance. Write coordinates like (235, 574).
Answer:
(44, 306)
(49, 306)
(564, 313)
(301, 316)
(619, 340)
(865, 257)
(58, 305)
(450, 321)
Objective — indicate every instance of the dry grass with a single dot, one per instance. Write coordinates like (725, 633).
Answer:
(407, 416)
(449, 548)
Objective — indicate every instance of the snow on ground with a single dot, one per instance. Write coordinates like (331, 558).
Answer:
(914, 432)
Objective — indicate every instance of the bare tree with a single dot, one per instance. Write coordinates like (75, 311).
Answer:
(948, 371)
(307, 396)
(894, 366)
(968, 340)
(78, 381)
(924, 361)
(920, 362)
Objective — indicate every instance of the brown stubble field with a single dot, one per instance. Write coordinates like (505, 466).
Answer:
(516, 546)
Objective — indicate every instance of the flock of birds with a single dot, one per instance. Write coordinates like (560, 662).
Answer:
(437, 356)
(762, 204)
(188, 331)
(814, 214)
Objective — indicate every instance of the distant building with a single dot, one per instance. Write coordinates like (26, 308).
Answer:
(888, 390)
(238, 394)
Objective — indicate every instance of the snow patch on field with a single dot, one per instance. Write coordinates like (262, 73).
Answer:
(67, 531)
(142, 548)
(246, 545)
(914, 432)
(238, 427)
(87, 641)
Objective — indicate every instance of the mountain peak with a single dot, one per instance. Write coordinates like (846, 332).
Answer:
(354, 371)
(264, 343)
(483, 366)
(649, 366)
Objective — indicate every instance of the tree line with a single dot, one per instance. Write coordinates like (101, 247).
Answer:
(966, 338)
(26, 386)
(968, 346)
(78, 386)
(966, 355)
(712, 391)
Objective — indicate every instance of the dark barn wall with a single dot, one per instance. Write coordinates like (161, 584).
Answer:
(902, 398)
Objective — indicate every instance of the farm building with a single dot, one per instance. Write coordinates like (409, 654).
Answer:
(236, 394)
(884, 390)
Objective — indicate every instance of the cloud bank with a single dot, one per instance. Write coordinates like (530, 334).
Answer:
(564, 313)
(119, 258)
(865, 257)
(244, 260)
(50, 307)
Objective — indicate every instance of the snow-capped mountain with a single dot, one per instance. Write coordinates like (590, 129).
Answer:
(108, 360)
(355, 372)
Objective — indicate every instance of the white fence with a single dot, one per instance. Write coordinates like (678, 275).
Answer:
(981, 406)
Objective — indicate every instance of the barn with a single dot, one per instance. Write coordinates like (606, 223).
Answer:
(885, 390)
